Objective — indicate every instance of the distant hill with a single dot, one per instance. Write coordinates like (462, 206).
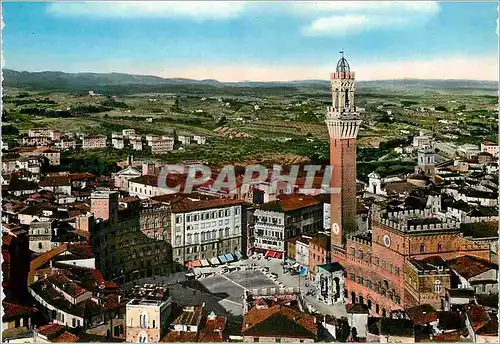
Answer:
(119, 82)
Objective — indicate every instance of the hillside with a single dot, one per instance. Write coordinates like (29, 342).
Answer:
(120, 83)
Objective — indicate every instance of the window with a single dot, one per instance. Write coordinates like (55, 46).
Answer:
(351, 251)
(255, 339)
(360, 280)
(440, 246)
(39, 245)
(396, 270)
(74, 322)
(353, 277)
(227, 232)
(398, 300)
(369, 284)
(369, 303)
(178, 219)
(422, 248)
(437, 286)
(360, 254)
(389, 267)
(154, 324)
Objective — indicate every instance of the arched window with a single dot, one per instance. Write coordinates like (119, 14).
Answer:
(437, 286)
(156, 223)
(164, 221)
(144, 320)
(422, 248)
(154, 323)
(440, 246)
(360, 254)
(220, 233)
(39, 245)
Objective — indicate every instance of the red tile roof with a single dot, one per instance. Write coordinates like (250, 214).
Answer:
(422, 314)
(13, 310)
(49, 330)
(82, 250)
(468, 266)
(478, 317)
(186, 205)
(66, 337)
(55, 181)
(279, 321)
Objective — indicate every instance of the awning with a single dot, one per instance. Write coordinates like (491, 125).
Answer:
(278, 255)
(196, 263)
(296, 265)
(269, 253)
(229, 257)
(214, 261)
(223, 258)
(238, 255)
(303, 270)
(204, 262)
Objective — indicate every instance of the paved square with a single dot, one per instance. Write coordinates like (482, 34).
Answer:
(231, 285)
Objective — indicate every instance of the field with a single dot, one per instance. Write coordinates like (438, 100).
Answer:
(271, 124)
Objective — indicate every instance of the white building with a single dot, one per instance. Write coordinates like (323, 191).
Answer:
(128, 132)
(185, 139)
(421, 140)
(302, 251)
(147, 320)
(94, 142)
(136, 144)
(146, 186)
(122, 177)
(201, 140)
(490, 147)
(207, 229)
(118, 143)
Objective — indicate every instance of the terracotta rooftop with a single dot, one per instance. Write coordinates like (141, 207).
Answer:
(186, 205)
(468, 266)
(13, 310)
(279, 321)
(288, 203)
(49, 330)
(422, 314)
(66, 337)
(189, 316)
(180, 337)
(55, 181)
(478, 317)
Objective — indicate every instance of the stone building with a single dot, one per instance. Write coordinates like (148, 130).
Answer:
(375, 264)
(123, 252)
(147, 319)
(207, 229)
(290, 216)
(40, 236)
(329, 280)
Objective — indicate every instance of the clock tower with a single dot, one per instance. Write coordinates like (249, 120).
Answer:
(343, 124)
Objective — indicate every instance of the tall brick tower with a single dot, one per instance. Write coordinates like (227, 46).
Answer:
(343, 125)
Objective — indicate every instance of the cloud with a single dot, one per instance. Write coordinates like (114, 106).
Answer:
(351, 24)
(196, 10)
(447, 67)
(343, 18)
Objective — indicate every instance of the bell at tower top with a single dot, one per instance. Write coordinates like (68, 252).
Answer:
(343, 65)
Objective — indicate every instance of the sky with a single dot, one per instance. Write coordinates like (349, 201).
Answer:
(251, 40)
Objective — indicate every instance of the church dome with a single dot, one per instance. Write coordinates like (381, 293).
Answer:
(343, 66)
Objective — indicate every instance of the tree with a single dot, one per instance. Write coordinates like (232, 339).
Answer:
(9, 130)
(222, 121)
